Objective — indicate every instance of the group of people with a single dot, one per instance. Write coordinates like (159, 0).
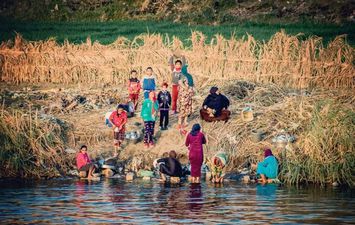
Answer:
(179, 101)
(214, 108)
(267, 170)
(170, 166)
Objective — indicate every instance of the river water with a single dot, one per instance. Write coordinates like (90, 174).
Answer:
(67, 201)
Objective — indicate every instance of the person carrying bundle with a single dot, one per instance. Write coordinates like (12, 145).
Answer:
(175, 78)
(215, 107)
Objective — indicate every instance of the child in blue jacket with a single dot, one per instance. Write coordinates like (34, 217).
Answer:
(148, 82)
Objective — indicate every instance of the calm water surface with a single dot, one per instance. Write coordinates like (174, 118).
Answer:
(115, 201)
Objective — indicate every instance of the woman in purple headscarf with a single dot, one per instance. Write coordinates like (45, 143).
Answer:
(268, 169)
(194, 141)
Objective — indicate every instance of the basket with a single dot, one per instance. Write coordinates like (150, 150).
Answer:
(247, 114)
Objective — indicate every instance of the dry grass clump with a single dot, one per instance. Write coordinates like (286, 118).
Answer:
(324, 148)
(31, 147)
(284, 60)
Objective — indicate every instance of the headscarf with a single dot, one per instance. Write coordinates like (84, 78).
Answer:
(267, 152)
(195, 129)
(213, 90)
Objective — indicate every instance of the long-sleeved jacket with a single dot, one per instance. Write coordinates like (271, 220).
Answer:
(149, 83)
(176, 74)
(82, 159)
(147, 110)
(164, 100)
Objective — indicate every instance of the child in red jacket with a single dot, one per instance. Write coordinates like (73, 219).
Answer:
(118, 119)
(134, 88)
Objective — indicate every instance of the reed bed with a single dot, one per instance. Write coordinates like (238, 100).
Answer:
(323, 124)
(31, 147)
(284, 60)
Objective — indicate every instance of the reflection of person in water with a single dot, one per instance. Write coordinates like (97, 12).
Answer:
(195, 197)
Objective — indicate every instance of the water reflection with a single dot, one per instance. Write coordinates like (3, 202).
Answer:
(115, 201)
(195, 198)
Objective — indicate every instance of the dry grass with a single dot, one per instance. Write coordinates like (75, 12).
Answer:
(31, 147)
(323, 124)
(284, 60)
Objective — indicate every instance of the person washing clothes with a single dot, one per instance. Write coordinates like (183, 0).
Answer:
(169, 166)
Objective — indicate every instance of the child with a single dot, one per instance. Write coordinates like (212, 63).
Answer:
(148, 114)
(148, 82)
(134, 88)
(164, 100)
(84, 163)
(118, 119)
(176, 76)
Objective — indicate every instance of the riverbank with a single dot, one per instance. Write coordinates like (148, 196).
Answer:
(312, 116)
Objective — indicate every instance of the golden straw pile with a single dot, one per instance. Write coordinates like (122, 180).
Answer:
(284, 60)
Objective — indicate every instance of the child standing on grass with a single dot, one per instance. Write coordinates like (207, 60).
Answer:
(148, 114)
(175, 78)
(134, 88)
(148, 81)
(118, 119)
(164, 100)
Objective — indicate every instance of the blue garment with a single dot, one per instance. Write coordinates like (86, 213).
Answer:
(269, 167)
(149, 83)
(188, 76)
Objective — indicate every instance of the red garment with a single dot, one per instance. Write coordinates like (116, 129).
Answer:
(82, 159)
(174, 96)
(119, 120)
(134, 87)
(195, 152)
(134, 98)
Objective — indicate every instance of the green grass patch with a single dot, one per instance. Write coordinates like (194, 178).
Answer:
(107, 32)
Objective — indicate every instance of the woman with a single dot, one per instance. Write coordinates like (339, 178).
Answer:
(268, 169)
(148, 114)
(185, 105)
(215, 106)
(169, 166)
(218, 164)
(194, 141)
